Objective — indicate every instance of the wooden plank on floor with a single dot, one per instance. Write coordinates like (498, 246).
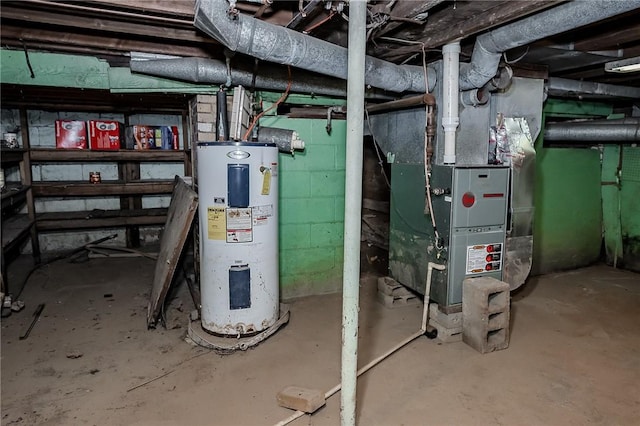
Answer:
(182, 209)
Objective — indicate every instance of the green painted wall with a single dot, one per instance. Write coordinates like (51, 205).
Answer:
(86, 72)
(568, 198)
(568, 221)
(630, 207)
(311, 208)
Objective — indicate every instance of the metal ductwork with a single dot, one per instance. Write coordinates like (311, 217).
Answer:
(566, 87)
(272, 43)
(590, 132)
(267, 76)
(489, 47)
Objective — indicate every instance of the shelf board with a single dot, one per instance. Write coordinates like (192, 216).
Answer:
(14, 229)
(62, 155)
(106, 188)
(100, 219)
(14, 193)
(11, 155)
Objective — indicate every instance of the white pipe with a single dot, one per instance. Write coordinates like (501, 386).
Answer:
(450, 119)
(423, 329)
(353, 209)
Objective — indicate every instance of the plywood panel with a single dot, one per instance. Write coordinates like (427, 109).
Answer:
(179, 218)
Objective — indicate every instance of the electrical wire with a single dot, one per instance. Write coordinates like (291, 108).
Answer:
(314, 26)
(275, 105)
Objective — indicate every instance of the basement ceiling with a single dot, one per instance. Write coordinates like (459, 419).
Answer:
(398, 31)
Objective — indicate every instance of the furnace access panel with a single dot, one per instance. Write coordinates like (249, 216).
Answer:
(479, 201)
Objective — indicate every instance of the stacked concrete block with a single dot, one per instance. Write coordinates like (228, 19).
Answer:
(485, 314)
(203, 114)
(449, 326)
(392, 294)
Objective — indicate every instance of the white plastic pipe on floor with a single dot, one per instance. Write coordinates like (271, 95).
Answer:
(353, 209)
(423, 329)
(450, 119)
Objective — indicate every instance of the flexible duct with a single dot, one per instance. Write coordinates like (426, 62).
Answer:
(267, 76)
(589, 132)
(489, 47)
(563, 87)
(272, 43)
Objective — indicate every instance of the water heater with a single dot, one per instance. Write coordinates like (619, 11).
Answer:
(239, 278)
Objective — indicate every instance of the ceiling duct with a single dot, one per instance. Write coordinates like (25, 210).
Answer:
(489, 47)
(566, 87)
(592, 132)
(266, 77)
(272, 43)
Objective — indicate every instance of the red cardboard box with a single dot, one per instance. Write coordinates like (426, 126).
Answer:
(71, 134)
(155, 137)
(105, 134)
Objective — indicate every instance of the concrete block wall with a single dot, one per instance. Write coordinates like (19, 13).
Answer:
(311, 208)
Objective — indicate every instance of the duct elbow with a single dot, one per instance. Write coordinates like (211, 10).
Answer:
(226, 27)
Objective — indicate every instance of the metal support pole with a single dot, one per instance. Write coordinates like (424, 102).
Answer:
(353, 210)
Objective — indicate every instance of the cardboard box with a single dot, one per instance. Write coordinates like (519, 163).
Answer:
(71, 134)
(105, 134)
(153, 137)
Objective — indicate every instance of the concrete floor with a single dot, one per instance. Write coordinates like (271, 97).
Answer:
(574, 358)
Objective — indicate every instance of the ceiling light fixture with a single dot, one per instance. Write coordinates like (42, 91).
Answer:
(623, 65)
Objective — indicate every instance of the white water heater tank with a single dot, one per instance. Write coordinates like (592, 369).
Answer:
(238, 198)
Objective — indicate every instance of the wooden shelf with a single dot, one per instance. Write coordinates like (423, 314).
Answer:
(11, 155)
(106, 188)
(83, 155)
(14, 229)
(14, 194)
(100, 219)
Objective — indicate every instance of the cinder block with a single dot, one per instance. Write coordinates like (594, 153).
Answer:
(485, 314)
(206, 137)
(453, 320)
(205, 107)
(208, 99)
(392, 294)
(301, 399)
(446, 334)
(206, 117)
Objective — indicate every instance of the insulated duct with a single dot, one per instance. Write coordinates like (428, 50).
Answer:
(267, 76)
(244, 34)
(489, 47)
(563, 87)
(588, 132)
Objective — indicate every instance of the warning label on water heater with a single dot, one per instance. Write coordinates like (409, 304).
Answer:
(239, 225)
(216, 223)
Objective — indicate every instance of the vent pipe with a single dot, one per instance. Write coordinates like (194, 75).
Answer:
(568, 16)
(590, 132)
(267, 77)
(259, 39)
(450, 119)
(563, 87)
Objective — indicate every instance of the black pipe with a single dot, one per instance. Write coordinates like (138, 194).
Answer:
(222, 124)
